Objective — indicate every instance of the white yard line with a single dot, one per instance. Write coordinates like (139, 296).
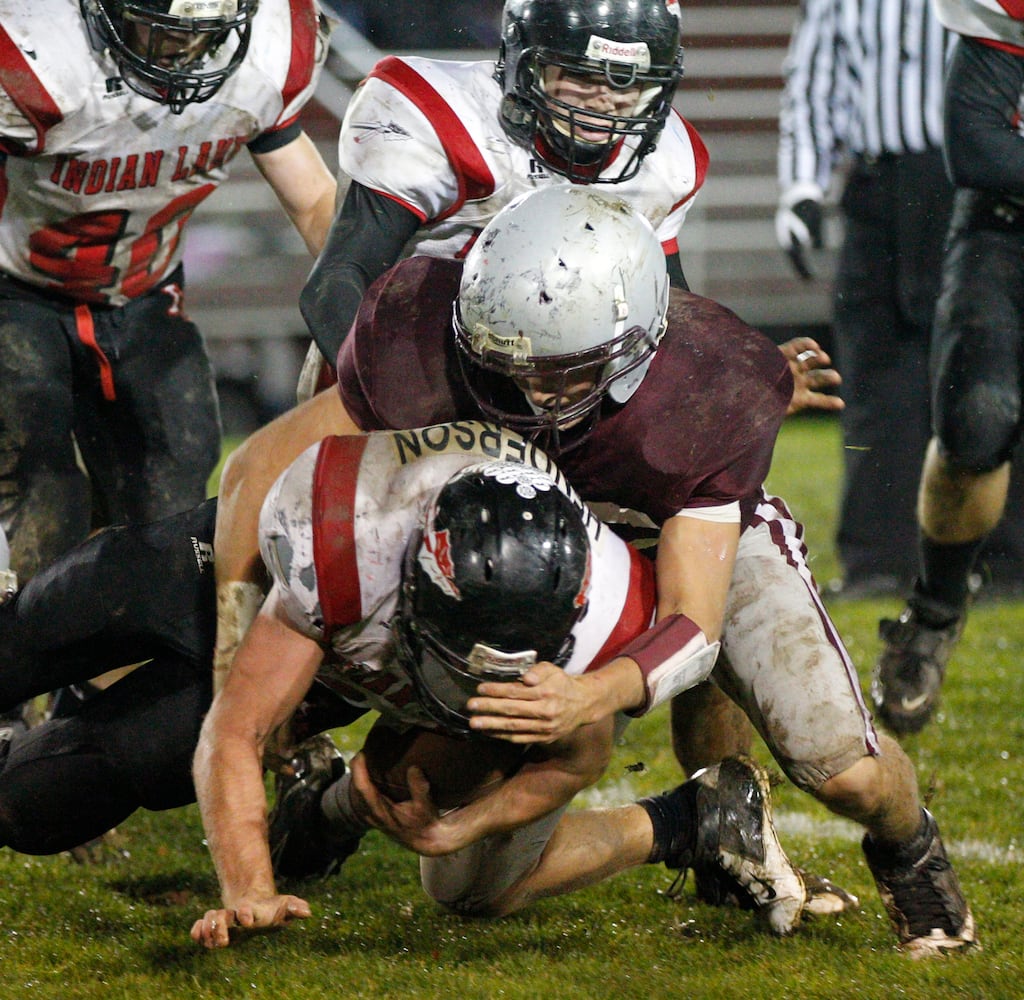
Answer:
(797, 824)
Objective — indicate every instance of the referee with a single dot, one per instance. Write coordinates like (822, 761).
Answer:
(863, 93)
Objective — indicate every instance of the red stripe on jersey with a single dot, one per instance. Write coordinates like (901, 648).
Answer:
(637, 610)
(701, 158)
(474, 176)
(334, 542)
(86, 330)
(1014, 50)
(303, 60)
(28, 93)
(1015, 8)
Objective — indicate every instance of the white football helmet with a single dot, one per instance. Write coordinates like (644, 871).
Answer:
(567, 286)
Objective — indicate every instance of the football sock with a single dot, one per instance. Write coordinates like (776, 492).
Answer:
(336, 806)
(674, 818)
(945, 572)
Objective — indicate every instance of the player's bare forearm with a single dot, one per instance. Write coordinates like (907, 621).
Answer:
(229, 789)
(540, 786)
(273, 669)
(305, 187)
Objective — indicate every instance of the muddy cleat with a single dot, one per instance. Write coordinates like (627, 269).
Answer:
(302, 844)
(825, 898)
(719, 824)
(909, 673)
(922, 897)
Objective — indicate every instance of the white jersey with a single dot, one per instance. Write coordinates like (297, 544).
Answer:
(386, 481)
(99, 181)
(426, 133)
(991, 20)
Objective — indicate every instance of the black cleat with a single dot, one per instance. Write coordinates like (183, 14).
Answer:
(736, 855)
(923, 898)
(302, 845)
(909, 673)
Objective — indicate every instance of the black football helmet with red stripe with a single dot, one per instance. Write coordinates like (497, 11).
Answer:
(493, 582)
(175, 52)
(629, 48)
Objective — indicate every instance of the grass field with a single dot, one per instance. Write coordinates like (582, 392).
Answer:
(119, 929)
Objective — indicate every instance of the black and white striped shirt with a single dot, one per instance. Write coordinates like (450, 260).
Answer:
(864, 77)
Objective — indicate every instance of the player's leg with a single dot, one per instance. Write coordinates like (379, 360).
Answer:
(150, 434)
(896, 213)
(70, 780)
(120, 597)
(787, 666)
(718, 821)
(707, 726)
(44, 497)
(977, 350)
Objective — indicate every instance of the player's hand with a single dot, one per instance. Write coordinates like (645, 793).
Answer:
(812, 376)
(216, 927)
(544, 705)
(416, 823)
(799, 225)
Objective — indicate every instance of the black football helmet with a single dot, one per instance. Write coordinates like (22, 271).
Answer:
(493, 582)
(624, 44)
(175, 52)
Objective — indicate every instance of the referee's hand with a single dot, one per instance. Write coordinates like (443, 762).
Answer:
(799, 225)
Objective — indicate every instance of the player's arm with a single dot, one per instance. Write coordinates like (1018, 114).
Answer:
(984, 147)
(547, 781)
(695, 560)
(248, 474)
(305, 187)
(674, 266)
(274, 668)
(365, 239)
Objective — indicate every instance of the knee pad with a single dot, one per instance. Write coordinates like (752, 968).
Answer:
(979, 431)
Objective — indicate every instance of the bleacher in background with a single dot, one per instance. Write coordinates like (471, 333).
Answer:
(246, 266)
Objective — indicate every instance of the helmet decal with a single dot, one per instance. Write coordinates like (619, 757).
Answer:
(435, 557)
(203, 8)
(527, 481)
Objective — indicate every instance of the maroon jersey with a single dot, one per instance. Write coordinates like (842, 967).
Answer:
(699, 432)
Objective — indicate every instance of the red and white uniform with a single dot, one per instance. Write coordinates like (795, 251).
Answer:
(345, 569)
(426, 133)
(997, 22)
(98, 182)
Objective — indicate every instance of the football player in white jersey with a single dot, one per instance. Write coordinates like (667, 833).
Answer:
(117, 118)
(433, 149)
(400, 591)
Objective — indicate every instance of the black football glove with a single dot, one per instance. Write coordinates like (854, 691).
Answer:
(799, 225)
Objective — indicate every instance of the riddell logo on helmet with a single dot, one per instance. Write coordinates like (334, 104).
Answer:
(606, 50)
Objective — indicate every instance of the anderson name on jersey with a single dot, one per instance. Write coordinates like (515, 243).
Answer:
(426, 133)
(338, 580)
(96, 181)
